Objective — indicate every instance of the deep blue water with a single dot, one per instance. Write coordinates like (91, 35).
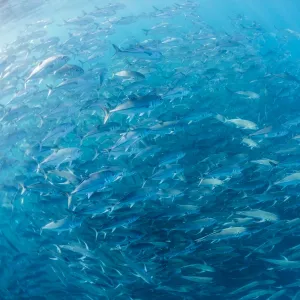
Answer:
(149, 149)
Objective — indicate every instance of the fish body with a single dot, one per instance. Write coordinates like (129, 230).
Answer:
(48, 66)
(283, 264)
(259, 214)
(97, 181)
(69, 71)
(290, 180)
(248, 95)
(130, 75)
(139, 53)
(58, 132)
(141, 105)
(61, 225)
(243, 124)
(250, 143)
(227, 233)
(61, 156)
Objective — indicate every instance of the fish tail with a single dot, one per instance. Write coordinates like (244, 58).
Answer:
(117, 49)
(69, 200)
(220, 118)
(23, 188)
(45, 176)
(96, 155)
(106, 114)
(155, 8)
(40, 125)
(229, 90)
(104, 233)
(144, 182)
(81, 141)
(146, 31)
(50, 89)
(81, 62)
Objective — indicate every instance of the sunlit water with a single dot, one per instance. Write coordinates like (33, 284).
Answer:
(188, 192)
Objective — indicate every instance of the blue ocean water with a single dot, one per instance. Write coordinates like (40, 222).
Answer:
(149, 149)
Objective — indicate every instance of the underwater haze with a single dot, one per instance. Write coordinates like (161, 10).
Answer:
(150, 150)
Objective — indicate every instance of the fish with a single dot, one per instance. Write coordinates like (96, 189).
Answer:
(277, 294)
(257, 293)
(140, 105)
(139, 53)
(97, 181)
(198, 279)
(195, 225)
(259, 214)
(58, 132)
(202, 267)
(248, 94)
(130, 75)
(48, 66)
(227, 233)
(250, 143)
(62, 225)
(70, 177)
(283, 264)
(213, 182)
(61, 156)
(245, 287)
(266, 162)
(243, 124)
(68, 71)
(292, 179)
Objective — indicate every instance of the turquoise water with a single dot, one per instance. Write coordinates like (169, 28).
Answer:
(149, 150)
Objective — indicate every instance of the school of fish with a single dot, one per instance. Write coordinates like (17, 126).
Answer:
(162, 166)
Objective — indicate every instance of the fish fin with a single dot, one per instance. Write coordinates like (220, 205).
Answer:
(155, 8)
(57, 248)
(81, 62)
(63, 183)
(107, 114)
(96, 233)
(50, 89)
(96, 155)
(144, 182)
(201, 230)
(117, 49)
(229, 90)
(146, 31)
(69, 200)
(104, 233)
(285, 258)
(90, 195)
(86, 246)
(23, 188)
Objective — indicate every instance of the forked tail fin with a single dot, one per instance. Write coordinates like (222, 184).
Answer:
(106, 114)
(117, 49)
